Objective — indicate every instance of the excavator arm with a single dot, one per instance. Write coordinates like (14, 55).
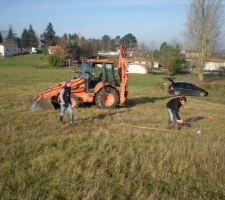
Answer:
(123, 75)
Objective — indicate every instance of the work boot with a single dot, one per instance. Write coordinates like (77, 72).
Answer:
(61, 119)
(178, 126)
(170, 125)
(71, 121)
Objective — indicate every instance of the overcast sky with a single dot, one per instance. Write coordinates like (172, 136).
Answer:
(148, 20)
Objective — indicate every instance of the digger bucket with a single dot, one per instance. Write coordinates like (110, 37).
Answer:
(33, 104)
(36, 104)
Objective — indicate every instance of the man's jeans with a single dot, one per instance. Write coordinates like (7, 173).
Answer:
(69, 109)
(172, 116)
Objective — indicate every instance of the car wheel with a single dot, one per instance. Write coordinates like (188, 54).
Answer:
(177, 92)
(201, 94)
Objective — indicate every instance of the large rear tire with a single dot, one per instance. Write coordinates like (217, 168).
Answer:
(107, 98)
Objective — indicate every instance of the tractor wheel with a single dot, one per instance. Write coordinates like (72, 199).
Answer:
(107, 98)
(74, 102)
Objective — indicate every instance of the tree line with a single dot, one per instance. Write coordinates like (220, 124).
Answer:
(76, 45)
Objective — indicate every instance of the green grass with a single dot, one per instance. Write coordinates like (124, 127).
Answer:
(102, 156)
(148, 81)
(38, 60)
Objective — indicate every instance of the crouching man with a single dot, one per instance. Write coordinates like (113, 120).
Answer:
(65, 98)
(173, 107)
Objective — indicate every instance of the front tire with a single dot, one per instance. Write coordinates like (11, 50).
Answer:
(107, 98)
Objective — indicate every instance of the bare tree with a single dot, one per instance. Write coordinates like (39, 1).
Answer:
(204, 27)
(61, 50)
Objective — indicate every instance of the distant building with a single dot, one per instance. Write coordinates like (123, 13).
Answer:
(137, 68)
(214, 66)
(108, 53)
(189, 54)
(33, 50)
(142, 66)
(8, 50)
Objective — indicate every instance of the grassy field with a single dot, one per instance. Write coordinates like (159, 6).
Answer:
(108, 154)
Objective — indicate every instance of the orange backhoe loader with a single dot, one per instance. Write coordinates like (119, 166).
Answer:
(96, 83)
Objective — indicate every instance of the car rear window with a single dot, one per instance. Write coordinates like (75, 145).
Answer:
(181, 85)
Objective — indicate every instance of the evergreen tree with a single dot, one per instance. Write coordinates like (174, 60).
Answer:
(73, 39)
(73, 45)
(33, 41)
(116, 43)
(106, 43)
(171, 58)
(164, 54)
(25, 39)
(49, 38)
(175, 64)
(18, 42)
(1, 38)
(10, 39)
(129, 40)
(65, 36)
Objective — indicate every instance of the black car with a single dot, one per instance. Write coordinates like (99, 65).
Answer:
(185, 88)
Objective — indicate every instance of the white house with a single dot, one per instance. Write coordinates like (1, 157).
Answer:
(33, 50)
(155, 65)
(214, 66)
(137, 68)
(8, 50)
(108, 53)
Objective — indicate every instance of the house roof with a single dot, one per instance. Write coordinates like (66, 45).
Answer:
(53, 49)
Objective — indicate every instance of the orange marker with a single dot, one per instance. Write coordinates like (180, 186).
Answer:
(210, 117)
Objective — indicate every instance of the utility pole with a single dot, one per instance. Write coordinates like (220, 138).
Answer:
(69, 69)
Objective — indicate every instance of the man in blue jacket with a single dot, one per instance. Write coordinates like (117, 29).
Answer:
(65, 99)
(173, 107)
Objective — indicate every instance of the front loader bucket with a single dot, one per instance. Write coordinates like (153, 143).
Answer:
(47, 104)
(33, 104)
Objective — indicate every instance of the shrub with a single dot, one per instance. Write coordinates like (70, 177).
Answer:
(45, 51)
(175, 64)
(54, 61)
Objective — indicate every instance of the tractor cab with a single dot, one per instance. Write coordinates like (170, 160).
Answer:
(97, 70)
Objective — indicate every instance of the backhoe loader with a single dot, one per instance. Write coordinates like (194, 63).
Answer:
(96, 83)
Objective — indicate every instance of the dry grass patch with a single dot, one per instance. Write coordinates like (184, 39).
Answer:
(102, 157)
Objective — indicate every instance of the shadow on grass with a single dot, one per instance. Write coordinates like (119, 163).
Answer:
(102, 116)
(144, 100)
(191, 120)
(188, 122)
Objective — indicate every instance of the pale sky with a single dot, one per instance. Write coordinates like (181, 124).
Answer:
(147, 20)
